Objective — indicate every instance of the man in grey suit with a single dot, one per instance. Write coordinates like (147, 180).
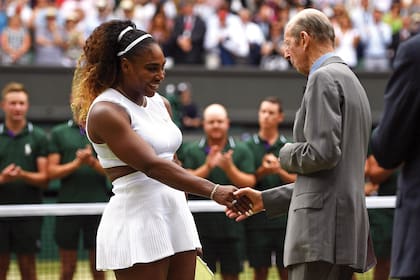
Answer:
(328, 228)
(395, 142)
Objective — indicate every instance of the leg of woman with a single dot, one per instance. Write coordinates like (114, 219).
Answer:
(157, 270)
(261, 273)
(182, 266)
(4, 265)
(97, 275)
(282, 272)
(382, 269)
(27, 266)
(68, 264)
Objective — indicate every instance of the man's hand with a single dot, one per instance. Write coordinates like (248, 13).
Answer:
(248, 202)
(10, 173)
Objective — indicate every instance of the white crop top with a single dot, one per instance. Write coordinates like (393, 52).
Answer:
(152, 123)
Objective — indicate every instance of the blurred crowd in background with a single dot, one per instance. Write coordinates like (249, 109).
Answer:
(209, 33)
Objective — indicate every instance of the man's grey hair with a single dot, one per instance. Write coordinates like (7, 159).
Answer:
(315, 23)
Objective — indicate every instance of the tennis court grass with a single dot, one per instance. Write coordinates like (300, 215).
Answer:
(49, 270)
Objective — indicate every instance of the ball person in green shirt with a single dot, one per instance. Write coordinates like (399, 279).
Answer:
(381, 182)
(224, 160)
(23, 176)
(82, 180)
(266, 236)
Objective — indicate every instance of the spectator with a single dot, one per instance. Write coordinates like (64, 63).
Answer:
(125, 11)
(376, 38)
(3, 16)
(187, 38)
(39, 14)
(143, 13)
(380, 182)
(226, 38)
(206, 8)
(190, 118)
(393, 17)
(49, 41)
(237, 5)
(168, 6)
(171, 94)
(160, 28)
(415, 21)
(102, 12)
(85, 8)
(362, 17)
(221, 159)
(403, 34)
(73, 41)
(264, 236)
(21, 8)
(347, 39)
(15, 43)
(264, 16)
(82, 180)
(272, 50)
(255, 37)
(23, 165)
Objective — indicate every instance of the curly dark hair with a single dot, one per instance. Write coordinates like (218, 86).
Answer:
(98, 67)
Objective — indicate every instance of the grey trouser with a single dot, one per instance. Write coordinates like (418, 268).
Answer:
(320, 271)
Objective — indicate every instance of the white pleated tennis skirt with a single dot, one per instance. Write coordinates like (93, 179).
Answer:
(143, 222)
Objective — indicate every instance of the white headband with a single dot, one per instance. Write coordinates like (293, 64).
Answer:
(128, 28)
(135, 42)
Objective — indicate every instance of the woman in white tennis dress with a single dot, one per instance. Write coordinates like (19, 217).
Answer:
(147, 230)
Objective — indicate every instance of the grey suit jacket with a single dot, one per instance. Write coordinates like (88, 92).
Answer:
(396, 141)
(327, 218)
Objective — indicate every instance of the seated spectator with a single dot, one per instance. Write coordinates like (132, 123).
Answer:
(15, 42)
(49, 41)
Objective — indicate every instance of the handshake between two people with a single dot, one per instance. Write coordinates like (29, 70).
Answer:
(240, 203)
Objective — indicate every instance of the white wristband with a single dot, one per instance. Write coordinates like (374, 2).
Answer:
(214, 191)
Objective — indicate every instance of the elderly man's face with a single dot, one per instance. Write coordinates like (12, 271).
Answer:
(294, 51)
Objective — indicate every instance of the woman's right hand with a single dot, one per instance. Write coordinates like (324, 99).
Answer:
(225, 195)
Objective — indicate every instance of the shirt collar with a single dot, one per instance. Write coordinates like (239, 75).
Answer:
(27, 129)
(230, 144)
(319, 62)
